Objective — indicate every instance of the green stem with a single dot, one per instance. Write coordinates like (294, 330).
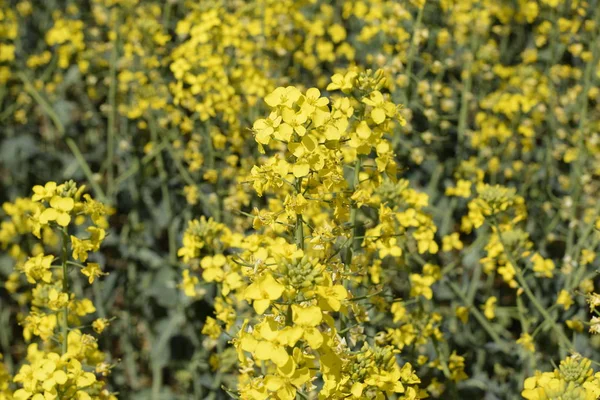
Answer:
(354, 209)
(86, 169)
(162, 174)
(112, 115)
(65, 289)
(578, 168)
(411, 54)
(185, 175)
(464, 100)
(478, 316)
(29, 88)
(299, 224)
(563, 339)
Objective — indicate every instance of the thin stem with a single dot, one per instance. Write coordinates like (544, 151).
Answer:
(478, 316)
(29, 88)
(299, 224)
(65, 289)
(411, 53)
(112, 115)
(86, 169)
(534, 300)
(465, 93)
(354, 209)
(185, 174)
(578, 168)
(163, 176)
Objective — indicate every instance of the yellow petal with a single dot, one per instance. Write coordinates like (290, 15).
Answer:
(290, 335)
(49, 214)
(264, 136)
(289, 369)
(287, 392)
(296, 149)
(363, 131)
(273, 288)
(274, 99)
(63, 219)
(332, 133)
(279, 356)
(268, 330)
(378, 115)
(62, 203)
(81, 395)
(313, 337)
(248, 343)
(309, 316)
(252, 292)
(273, 383)
(339, 292)
(86, 379)
(21, 394)
(357, 389)
(284, 132)
(313, 93)
(301, 377)
(300, 170)
(260, 306)
(264, 350)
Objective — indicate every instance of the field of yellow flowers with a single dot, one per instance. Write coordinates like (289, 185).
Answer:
(299, 199)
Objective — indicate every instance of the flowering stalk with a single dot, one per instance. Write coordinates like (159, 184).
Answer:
(65, 290)
(60, 370)
(309, 298)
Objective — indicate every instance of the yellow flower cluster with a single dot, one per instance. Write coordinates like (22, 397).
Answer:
(8, 35)
(346, 246)
(58, 366)
(5, 392)
(313, 266)
(573, 379)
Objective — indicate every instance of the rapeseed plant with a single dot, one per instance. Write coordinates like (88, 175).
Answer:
(383, 199)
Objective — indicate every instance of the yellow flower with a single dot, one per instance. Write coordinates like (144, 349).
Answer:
(78, 375)
(38, 268)
(307, 319)
(92, 271)
(96, 238)
(58, 211)
(265, 128)
(380, 107)
(212, 328)
(421, 286)
(331, 296)
(271, 348)
(564, 299)
(213, 268)
(343, 82)
(313, 101)
(100, 324)
(576, 325)
(189, 284)
(283, 96)
(81, 248)
(541, 266)
(263, 291)
(337, 33)
(57, 300)
(463, 314)
(451, 242)
(527, 342)
(489, 308)
(45, 192)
